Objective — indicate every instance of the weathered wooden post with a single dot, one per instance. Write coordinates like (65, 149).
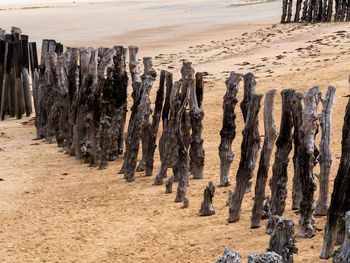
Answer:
(249, 90)
(169, 185)
(133, 139)
(278, 182)
(18, 65)
(151, 147)
(249, 154)
(341, 188)
(282, 238)
(306, 161)
(284, 11)
(325, 158)
(289, 11)
(207, 208)
(34, 71)
(146, 126)
(297, 11)
(181, 131)
(3, 63)
(342, 255)
(134, 69)
(297, 123)
(197, 152)
(264, 164)
(228, 131)
(25, 75)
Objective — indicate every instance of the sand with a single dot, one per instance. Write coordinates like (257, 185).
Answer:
(53, 208)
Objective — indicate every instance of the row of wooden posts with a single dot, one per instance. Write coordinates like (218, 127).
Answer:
(80, 98)
(315, 11)
(15, 97)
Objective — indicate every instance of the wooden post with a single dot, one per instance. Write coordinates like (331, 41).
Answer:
(282, 238)
(122, 79)
(33, 68)
(329, 10)
(169, 185)
(133, 139)
(146, 126)
(278, 182)
(249, 154)
(306, 161)
(342, 255)
(305, 11)
(151, 147)
(270, 257)
(340, 191)
(297, 11)
(228, 131)
(207, 208)
(289, 11)
(197, 152)
(181, 131)
(18, 64)
(297, 123)
(134, 69)
(284, 11)
(325, 152)
(3, 62)
(230, 256)
(264, 164)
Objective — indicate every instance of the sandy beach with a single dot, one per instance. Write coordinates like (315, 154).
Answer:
(54, 208)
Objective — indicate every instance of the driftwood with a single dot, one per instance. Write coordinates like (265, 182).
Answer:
(207, 208)
(340, 193)
(297, 123)
(228, 131)
(282, 238)
(306, 161)
(146, 126)
(278, 182)
(264, 164)
(268, 257)
(230, 256)
(151, 145)
(325, 158)
(342, 255)
(249, 154)
(196, 116)
(169, 185)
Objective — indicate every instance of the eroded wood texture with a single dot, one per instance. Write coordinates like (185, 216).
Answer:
(264, 164)
(230, 256)
(297, 122)
(342, 255)
(151, 147)
(207, 208)
(228, 131)
(249, 153)
(267, 257)
(146, 126)
(306, 161)
(339, 197)
(282, 237)
(278, 182)
(197, 152)
(325, 158)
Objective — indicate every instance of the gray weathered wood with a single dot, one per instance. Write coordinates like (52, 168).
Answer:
(282, 238)
(325, 158)
(264, 164)
(267, 257)
(306, 161)
(249, 154)
(207, 208)
(342, 255)
(197, 152)
(230, 256)
(278, 182)
(169, 185)
(340, 193)
(228, 131)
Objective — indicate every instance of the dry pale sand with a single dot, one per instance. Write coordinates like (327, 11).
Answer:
(54, 208)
